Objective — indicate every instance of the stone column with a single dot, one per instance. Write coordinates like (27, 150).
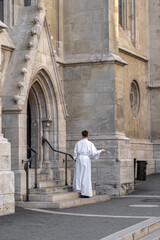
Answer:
(7, 202)
(46, 132)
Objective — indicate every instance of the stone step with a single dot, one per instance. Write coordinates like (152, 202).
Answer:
(152, 236)
(54, 197)
(58, 174)
(65, 203)
(50, 190)
(50, 183)
(138, 231)
(82, 201)
(44, 177)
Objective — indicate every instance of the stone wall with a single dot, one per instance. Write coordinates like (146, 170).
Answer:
(90, 32)
(35, 55)
(7, 202)
(97, 62)
(138, 125)
(113, 173)
(90, 98)
(154, 84)
(135, 126)
(86, 29)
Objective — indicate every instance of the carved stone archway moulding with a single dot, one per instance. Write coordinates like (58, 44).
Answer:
(20, 76)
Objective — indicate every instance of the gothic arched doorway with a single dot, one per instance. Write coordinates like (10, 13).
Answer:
(42, 118)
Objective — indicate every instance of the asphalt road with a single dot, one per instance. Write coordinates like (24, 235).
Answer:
(90, 222)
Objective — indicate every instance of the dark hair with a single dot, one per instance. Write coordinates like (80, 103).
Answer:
(85, 133)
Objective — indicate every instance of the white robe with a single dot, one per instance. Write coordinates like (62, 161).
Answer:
(83, 150)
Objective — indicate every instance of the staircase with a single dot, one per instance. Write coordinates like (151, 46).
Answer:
(53, 194)
(51, 191)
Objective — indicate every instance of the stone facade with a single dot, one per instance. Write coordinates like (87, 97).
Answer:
(154, 83)
(7, 201)
(98, 72)
(32, 79)
(102, 63)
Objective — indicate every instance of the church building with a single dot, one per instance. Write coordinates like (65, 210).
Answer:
(73, 65)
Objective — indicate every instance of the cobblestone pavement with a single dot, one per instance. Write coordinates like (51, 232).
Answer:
(90, 222)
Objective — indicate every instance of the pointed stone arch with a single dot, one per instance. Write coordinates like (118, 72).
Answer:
(47, 118)
(44, 114)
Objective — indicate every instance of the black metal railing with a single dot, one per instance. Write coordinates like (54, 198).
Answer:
(26, 168)
(60, 152)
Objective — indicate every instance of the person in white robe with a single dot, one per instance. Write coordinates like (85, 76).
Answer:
(84, 149)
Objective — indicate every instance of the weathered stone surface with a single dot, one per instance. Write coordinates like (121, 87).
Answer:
(97, 60)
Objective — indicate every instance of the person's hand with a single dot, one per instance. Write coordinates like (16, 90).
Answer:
(103, 150)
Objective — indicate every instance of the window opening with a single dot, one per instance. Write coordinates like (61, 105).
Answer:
(120, 12)
(27, 3)
(1, 11)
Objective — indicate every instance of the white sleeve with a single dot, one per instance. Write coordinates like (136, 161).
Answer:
(94, 152)
(75, 154)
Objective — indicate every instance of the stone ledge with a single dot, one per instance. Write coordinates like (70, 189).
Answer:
(133, 54)
(81, 59)
(152, 236)
(2, 26)
(65, 203)
(75, 137)
(137, 231)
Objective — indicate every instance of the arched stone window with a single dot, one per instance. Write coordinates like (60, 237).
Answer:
(27, 2)
(134, 98)
(120, 12)
(127, 17)
(7, 12)
(30, 2)
(12, 12)
(1, 11)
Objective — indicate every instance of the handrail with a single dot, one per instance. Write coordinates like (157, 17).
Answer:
(60, 152)
(31, 149)
(45, 140)
(26, 168)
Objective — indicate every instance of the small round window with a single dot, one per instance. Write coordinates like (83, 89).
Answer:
(134, 98)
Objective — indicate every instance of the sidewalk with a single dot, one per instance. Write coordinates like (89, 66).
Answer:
(90, 222)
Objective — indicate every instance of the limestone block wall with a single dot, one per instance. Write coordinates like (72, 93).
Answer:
(154, 44)
(85, 29)
(106, 170)
(142, 149)
(154, 84)
(134, 126)
(90, 98)
(36, 68)
(113, 32)
(155, 131)
(53, 18)
(141, 28)
(156, 152)
(113, 173)
(106, 176)
(90, 36)
(7, 202)
(126, 176)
